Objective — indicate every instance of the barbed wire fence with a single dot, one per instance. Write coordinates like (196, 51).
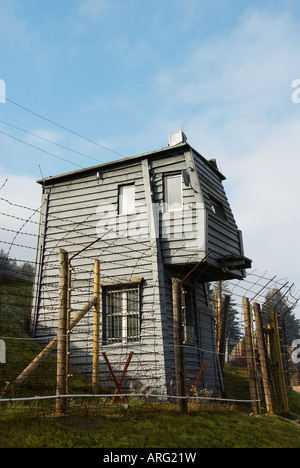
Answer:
(30, 371)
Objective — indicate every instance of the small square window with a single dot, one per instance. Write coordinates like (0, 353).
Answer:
(126, 199)
(173, 192)
(217, 208)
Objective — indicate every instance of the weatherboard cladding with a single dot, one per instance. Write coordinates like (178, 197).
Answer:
(223, 235)
(173, 247)
(71, 223)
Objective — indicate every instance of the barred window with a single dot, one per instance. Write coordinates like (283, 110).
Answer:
(122, 314)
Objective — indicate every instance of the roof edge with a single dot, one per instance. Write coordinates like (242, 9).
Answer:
(84, 171)
(161, 152)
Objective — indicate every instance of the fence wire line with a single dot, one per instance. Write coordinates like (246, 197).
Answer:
(245, 286)
(123, 395)
(240, 285)
(255, 286)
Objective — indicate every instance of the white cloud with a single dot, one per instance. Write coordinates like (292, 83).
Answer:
(266, 198)
(247, 70)
(233, 96)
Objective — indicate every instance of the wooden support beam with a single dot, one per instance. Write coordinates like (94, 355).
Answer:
(117, 382)
(69, 310)
(123, 374)
(179, 357)
(194, 389)
(112, 374)
(61, 374)
(254, 394)
(96, 337)
(276, 357)
(35, 363)
(50, 346)
(263, 357)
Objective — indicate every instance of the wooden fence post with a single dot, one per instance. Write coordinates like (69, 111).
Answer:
(263, 357)
(61, 376)
(69, 310)
(178, 343)
(218, 312)
(276, 358)
(254, 394)
(224, 331)
(96, 338)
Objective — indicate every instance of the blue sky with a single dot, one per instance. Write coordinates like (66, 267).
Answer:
(127, 74)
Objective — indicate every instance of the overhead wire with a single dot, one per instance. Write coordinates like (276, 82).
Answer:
(44, 151)
(55, 143)
(63, 127)
(50, 141)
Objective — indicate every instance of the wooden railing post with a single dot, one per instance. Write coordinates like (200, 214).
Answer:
(96, 337)
(276, 356)
(263, 357)
(254, 394)
(178, 343)
(61, 375)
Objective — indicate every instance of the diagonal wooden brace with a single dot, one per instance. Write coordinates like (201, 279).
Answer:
(199, 377)
(194, 389)
(118, 382)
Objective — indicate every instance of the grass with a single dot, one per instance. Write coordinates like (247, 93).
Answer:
(145, 426)
(95, 424)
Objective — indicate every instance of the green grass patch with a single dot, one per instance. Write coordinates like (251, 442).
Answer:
(140, 424)
(145, 427)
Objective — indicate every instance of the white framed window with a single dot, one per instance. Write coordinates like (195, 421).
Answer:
(173, 192)
(126, 202)
(121, 314)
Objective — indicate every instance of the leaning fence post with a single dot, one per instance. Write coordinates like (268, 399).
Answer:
(276, 357)
(96, 338)
(263, 357)
(254, 394)
(61, 375)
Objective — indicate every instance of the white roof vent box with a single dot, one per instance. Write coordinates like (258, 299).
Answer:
(176, 138)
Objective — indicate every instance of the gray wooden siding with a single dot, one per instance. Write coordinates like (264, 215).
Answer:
(222, 235)
(73, 217)
(182, 238)
(202, 349)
